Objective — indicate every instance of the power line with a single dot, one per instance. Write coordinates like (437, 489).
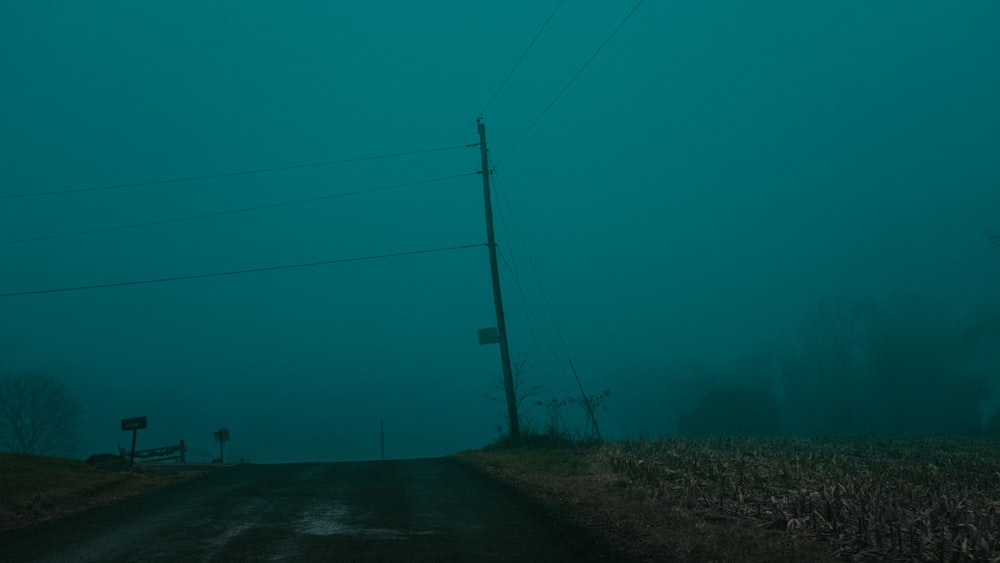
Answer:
(570, 83)
(231, 211)
(250, 172)
(237, 272)
(552, 315)
(521, 58)
(534, 270)
(512, 268)
(531, 315)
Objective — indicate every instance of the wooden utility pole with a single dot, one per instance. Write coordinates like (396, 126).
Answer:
(513, 425)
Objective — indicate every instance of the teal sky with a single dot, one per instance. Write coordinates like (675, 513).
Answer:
(716, 170)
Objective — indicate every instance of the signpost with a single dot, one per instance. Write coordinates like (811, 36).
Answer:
(133, 424)
(489, 335)
(221, 435)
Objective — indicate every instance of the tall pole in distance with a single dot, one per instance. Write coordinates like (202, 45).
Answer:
(513, 425)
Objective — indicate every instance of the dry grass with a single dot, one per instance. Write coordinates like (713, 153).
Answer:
(34, 489)
(636, 522)
(774, 499)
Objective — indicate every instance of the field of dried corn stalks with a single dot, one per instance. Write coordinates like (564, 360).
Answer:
(878, 499)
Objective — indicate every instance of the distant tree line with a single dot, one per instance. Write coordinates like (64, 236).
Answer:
(860, 367)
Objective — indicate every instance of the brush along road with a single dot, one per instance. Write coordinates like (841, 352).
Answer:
(410, 510)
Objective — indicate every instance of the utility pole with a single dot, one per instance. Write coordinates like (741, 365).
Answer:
(513, 425)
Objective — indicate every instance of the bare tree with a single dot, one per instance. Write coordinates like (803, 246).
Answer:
(37, 414)
(993, 237)
(826, 385)
(524, 387)
(917, 372)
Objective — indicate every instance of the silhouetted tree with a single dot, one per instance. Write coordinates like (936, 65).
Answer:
(993, 237)
(920, 384)
(979, 341)
(728, 411)
(37, 415)
(589, 404)
(826, 383)
(524, 388)
(825, 379)
(221, 436)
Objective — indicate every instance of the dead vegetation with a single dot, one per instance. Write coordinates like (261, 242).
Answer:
(777, 499)
(909, 499)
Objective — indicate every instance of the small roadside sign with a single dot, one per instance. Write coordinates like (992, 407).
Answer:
(489, 335)
(134, 423)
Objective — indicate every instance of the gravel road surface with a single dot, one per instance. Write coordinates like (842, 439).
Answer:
(408, 510)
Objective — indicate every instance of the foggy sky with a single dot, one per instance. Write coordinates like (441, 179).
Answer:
(716, 170)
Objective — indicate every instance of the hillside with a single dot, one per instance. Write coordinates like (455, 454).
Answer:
(37, 488)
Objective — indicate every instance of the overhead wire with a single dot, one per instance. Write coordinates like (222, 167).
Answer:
(513, 68)
(570, 82)
(584, 398)
(236, 272)
(555, 323)
(515, 274)
(531, 263)
(521, 58)
(232, 211)
(530, 311)
(250, 172)
(534, 271)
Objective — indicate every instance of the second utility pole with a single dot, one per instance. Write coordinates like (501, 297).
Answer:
(513, 425)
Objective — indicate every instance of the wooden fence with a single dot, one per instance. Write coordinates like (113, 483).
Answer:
(166, 453)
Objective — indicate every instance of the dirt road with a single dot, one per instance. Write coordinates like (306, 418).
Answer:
(411, 510)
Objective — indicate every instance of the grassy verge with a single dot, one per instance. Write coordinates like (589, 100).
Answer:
(34, 488)
(772, 500)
